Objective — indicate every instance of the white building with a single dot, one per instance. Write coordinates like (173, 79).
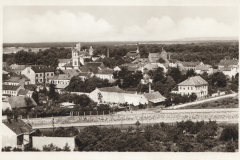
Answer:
(195, 85)
(200, 69)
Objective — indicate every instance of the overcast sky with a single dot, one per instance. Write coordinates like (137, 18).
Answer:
(116, 23)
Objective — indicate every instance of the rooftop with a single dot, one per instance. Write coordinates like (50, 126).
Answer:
(10, 87)
(203, 67)
(154, 97)
(228, 62)
(193, 81)
(190, 64)
(19, 102)
(41, 69)
(23, 92)
(18, 127)
(64, 60)
(111, 89)
(93, 64)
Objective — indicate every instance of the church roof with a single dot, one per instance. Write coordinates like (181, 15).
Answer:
(193, 81)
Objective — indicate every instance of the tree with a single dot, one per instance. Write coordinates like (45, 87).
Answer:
(161, 60)
(28, 102)
(35, 97)
(52, 93)
(160, 88)
(229, 133)
(219, 79)
(193, 97)
(190, 73)
(175, 73)
(158, 74)
(170, 83)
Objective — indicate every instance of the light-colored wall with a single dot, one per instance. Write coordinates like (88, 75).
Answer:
(104, 76)
(9, 138)
(28, 72)
(188, 90)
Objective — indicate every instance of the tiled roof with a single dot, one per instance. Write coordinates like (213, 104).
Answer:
(23, 92)
(193, 81)
(62, 77)
(141, 60)
(228, 62)
(132, 53)
(133, 68)
(93, 64)
(10, 87)
(154, 97)
(64, 60)
(72, 72)
(203, 67)
(18, 67)
(112, 89)
(61, 86)
(30, 87)
(105, 71)
(190, 64)
(19, 102)
(84, 69)
(41, 69)
(151, 66)
(18, 127)
(69, 64)
(4, 72)
(85, 74)
(154, 54)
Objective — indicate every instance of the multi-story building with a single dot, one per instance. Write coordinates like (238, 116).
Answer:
(10, 90)
(191, 85)
(39, 74)
(200, 69)
(229, 67)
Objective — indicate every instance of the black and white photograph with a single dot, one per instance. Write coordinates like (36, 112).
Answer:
(120, 78)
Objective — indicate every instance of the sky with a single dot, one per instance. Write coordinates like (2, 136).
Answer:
(29, 24)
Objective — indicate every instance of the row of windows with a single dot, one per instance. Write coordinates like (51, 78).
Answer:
(40, 75)
(9, 92)
(191, 88)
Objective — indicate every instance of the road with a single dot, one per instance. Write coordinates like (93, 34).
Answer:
(202, 101)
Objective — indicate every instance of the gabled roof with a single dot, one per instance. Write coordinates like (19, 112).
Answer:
(10, 87)
(193, 81)
(19, 102)
(141, 60)
(154, 97)
(93, 64)
(4, 72)
(62, 77)
(111, 89)
(105, 71)
(23, 92)
(132, 53)
(30, 87)
(228, 62)
(64, 60)
(71, 72)
(41, 69)
(203, 67)
(150, 66)
(18, 67)
(85, 74)
(18, 127)
(190, 64)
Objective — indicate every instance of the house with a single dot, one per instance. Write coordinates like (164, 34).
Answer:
(94, 58)
(191, 65)
(71, 72)
(16, 80)
(17, 102)
(15, 133)
(133, 54)
(85, 75)
(60, 79)
(153, 57)
(200, 69)
(140, 61)
(39, 74)
(10, 90)
(105, 74)
(154, 99)
(148, 67)
(229, 67)
(92, 65)
(62, 63)
(25, 92)
(195, 85)
(18, 68)
(166, 56)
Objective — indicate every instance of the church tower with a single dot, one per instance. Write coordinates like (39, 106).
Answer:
(75, 62)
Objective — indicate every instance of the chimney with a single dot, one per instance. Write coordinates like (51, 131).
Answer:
(149, 87)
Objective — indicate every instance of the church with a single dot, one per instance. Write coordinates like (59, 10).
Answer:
(77, 59)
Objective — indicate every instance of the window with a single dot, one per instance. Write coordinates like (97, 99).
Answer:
(75, 63)
(40, 80)
(40, 75)
(51, 74)
(191, 88)
(188, 88)
(47, 74)
(36, 75)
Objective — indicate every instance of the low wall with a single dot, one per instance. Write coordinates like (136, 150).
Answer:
(200, 110)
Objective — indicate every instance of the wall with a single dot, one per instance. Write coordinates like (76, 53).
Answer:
(9, 138)
(28, 72)
(193, 89)
(60, 142)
